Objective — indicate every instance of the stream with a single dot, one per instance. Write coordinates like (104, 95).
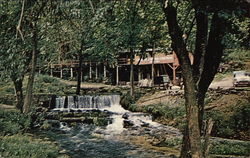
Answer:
(113, 140)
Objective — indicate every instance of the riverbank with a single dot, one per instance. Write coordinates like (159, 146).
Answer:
(229, 110)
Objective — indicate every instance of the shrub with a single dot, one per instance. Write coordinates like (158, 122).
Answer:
(161, 110)
(240, 118)
(7, 99)
(173, 142)
(20, 146)
(229, 147)
(126, 100)
(13, 122)
(6, 87)
(47, 79)
(233, 125)
(48, 84)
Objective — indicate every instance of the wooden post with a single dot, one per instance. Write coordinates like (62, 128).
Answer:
(117, 75)
(82, 75)
(152, 66)
(139, 74)
(51, 70)
(90, 70)
(61, 74)
(96, 71)
(148, 76)
(174, 75)
(71, 72)
(104, 71)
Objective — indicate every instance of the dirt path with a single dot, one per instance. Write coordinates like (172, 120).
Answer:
(87, 85)
(169, 97)
(164, 97)
(225, 83)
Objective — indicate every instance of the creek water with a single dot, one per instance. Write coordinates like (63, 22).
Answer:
(113, 140)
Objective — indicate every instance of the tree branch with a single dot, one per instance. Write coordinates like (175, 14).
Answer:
(18, 28)
(201, 41)
(214, 51)
(92, 6)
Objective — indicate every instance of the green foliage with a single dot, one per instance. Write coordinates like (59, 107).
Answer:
(240, 119)
(234, 125)
(238, 35)
(100, 121)
(126, 100)
(173, 142)
(46, 125)
(43, 84)
(237, 58)
(229, 147)
(13, 122)
(49, 85)
(174, 116)
(167, 112)
(7, 99)
(47, 79)
(6, 92)
(20, 146)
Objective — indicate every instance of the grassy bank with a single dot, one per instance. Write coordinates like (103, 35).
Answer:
(24, 145)
(16, 140)
(218, 147)
(43, 85)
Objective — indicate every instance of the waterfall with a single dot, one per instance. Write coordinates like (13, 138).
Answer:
(60, 101)
(87, 102)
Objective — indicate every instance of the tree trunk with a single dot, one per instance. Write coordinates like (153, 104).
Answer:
(185, 148)
(29, 90)
(18, 84)
(191, 103)
(200, 50)
(132, 89)
(79, 72)
(192, 118)
(212, 58)
(153, 65)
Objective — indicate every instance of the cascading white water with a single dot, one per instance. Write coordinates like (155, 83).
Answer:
(110, 103)
(106, 141)
(60, 101)
(87, 102)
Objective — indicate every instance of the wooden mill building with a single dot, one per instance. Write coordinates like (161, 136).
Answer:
(164, 64)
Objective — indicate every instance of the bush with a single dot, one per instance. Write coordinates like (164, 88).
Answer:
(161, 110)
(20, 146)
(173, 142)
(229, 147)
(48, 84)
(240, 119)
(7, 99)
(234, 125)
(126, 100)
(6, 87)
(13, 122)
(47, 79)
